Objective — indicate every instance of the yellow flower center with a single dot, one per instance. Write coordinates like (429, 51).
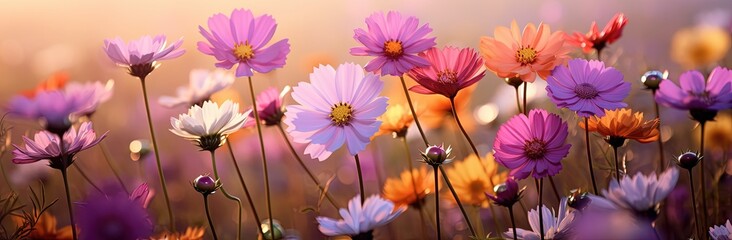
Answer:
(447, 76)
(341, 114)
(243, 51)
(526, 55)
(393, 49)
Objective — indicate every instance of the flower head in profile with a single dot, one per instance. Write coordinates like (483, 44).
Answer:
(410, 189)
(587, 87)
(57, 110)
(203, 83)
(45, 146)
(436, 155)
(241, 39)
(507, 193)
(98, 93)
(509, 53)
(141, 56)
(451, 69)
(557, 225)
(191, 233)
(621, 124)
(721, 232)
(358, 219)
(472, 178)
(532, 145)
(696, 93)
(700, 47)
(640, 193)
(395, 41)
(597, 40)
(269, 106)
(209, 125)
(338, 106)
(396, 120)
(113, 216)
(56, 81)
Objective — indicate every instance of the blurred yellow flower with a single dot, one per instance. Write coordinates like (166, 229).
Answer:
(191, 233)
(401, 191)
(718, 133)
(699, 47)
(473, 178)
(396, 120)
(45, 228)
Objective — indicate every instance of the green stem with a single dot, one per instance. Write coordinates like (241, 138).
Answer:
(229, 196)
(437, 202)
(518, 101)
(589, 155)
(83, 175)
(526, 86)
(662, 162)
(68, 200)
(305, 167)
(5, 175)
(693, 204)
(457, 200)
(414, 113)
(540, 190)
(244, 186)
(107, 158)
(157, 155)
(617, 164)
(360, 179)
(410, 167)
(703, 178)
(208, 216)
(513, 221)
(264, 156)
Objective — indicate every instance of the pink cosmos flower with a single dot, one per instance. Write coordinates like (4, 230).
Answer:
(241, 40)
(58, 110)
(269, 106)
(336, 107)
(202, 84)
(100, 93)
(696, 93)
(533, 144)
(45, 146)
(395, 41)
(141, 55)
(450, 70)
(587, 87)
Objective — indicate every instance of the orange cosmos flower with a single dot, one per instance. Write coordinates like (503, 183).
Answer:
(401, 191)
(396, 120)
(472, 178)
(191, 233)
(54, 82)
(622, 124)
(45, 228)
(535, 52)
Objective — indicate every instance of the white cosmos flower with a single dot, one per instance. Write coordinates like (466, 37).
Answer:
(203, 83)
(721, 232)
(357, 219)
(641, 193)
(555, 227)
(209, 125)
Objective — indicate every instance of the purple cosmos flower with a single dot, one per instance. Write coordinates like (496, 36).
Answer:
(100, 93)
(395, 41)
(269, 106)
(639, 193)
(696, 93)
(241, 39)
(358, 219)
(532, 145)
(45, 146)
(587, 87)
(556, 226)
(336, 107)
(721, 232)
(450, 70)
(507, 193)
(141, 55)
(115, 216)
(57, 110)
(203, 83)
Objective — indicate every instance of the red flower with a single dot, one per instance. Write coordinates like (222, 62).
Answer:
(598, 40)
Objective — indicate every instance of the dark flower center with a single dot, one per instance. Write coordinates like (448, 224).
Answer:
(477, 187)
(341, 114)
(535, 149)
(447, 76)
(393, 49)
(585, 91)
(526, 55)
(704, 97)
(210, 142)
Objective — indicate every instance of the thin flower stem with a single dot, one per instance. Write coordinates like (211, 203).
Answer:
(305, 167)
(513, 222)
(662, 162)
(5, 175)
(518, 101)
(540, 190)
(410, 166)
(86, 177)
(108, 159)
(208, 216)
(229, 196)
(68, 199)
(526, 87)
(617, 164)
(693, 204)
(457, 199)
(703, 178)
(589, 155)
(360, 179)
(437, 202)
(554, 188)
(157, 155)
(264, 156)
(414, 113)
(244, 186)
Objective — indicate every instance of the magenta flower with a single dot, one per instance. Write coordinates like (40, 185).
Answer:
(99, 93)
(395, 41)
(241, 39)
(336, 107)
(696, 93)
(45, 146)
(115, 216)
(58, 110)
(269, 106)
(532, 145)
(587, 87)
(141, 55)
(450, 70)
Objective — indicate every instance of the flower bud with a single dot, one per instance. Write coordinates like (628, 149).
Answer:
(578, 200)
(688, 160)
(507, 193)
(206, 184)
(652, 79)
(514, 81)
(436, 155)
(276, 227)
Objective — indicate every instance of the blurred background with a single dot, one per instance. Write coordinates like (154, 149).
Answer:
(42, 38)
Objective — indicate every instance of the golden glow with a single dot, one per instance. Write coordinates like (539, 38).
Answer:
(243, 51)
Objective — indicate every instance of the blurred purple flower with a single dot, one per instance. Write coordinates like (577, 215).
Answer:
(140, 56)
(358, 219)
(241, 39)
(556, 226)
(721, 232)
(203, 83)
(58, 110)
(115, 216)
(611, 224)
(45, 146)
(451, 69)
(269, 106)
(696, 93)
(99, 93)
(337, 107)
(395, 41)
(532, 145)
(587, 87)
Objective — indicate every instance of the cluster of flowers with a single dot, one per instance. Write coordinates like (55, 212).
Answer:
(342, 107)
